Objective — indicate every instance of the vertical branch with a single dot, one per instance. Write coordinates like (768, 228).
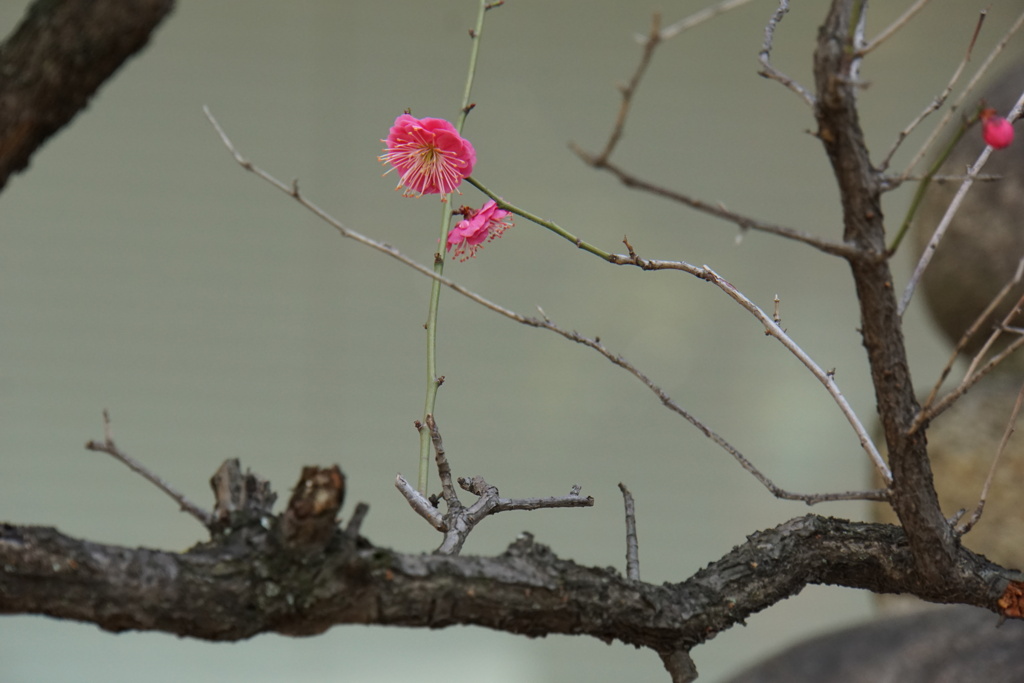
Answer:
(914, 500)
(433, 379)
(632, 546)
(769, 71)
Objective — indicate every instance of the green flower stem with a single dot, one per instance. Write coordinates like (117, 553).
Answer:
(433, 381)
(473, 55)
(922, 187)
(553, 227)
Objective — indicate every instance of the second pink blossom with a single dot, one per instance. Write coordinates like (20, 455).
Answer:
(483, 225)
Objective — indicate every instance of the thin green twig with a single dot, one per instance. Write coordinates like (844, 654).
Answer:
(922, 187)
(433, 380)
(553, 227)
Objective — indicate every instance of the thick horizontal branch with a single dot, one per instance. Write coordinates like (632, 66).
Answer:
(245, 583)
(57, 59)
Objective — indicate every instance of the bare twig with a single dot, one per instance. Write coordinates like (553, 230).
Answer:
(653, 38)
(938, 101)
(947, 218)
(769, 71)
(965, 339)
(108, 446)
(974, 373)
(772, 328)
(968, 89)
(981, 178)
(459, 520)
(496, 504)
(420, 504)
(292, 190)
(996, 333)
(828, 246)
(356, 521)
(444, 470)
(650, 41)
(680, 666)
(545, 323)
(925, 183)
(462, 520)
(669, 402)
(632, 547)
(698, 18)
(895, 26)
(1010, 427)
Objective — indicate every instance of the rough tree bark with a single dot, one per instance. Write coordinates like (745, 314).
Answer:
(860, 187)
(298, 573)
(249, 580)
(57, 59)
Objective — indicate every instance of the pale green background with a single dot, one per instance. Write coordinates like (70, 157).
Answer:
(143, 272)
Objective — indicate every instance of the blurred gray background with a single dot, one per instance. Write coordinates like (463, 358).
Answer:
(142, 271)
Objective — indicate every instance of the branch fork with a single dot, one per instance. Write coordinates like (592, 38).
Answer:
(459, 520)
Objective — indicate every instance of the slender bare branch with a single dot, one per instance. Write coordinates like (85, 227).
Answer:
(293, 191)
(890, 30)
(972, 376)
(629, 89)
(947, 218)
(773, 329)
(459, 520)
(669, 402)
(958, 103)
(420, 504)
(698, 17)
(828, 246)
(444, 470)
(496, 504)
(1010, 428)
(965, 339)
(938, 101)
(650, 41)
(972, 369)
(632, 546)
(767, 69)
(108, 446)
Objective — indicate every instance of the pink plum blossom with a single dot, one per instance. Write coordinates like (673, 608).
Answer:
(429, 154)
(997, 131)
(478, 227)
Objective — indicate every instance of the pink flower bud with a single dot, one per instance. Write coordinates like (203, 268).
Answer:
(997, 131)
